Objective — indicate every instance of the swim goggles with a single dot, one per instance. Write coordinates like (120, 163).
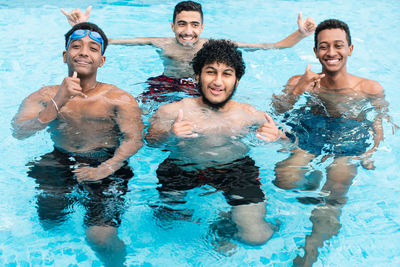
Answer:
(78, 34)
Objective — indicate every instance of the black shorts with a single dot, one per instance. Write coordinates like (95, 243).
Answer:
(238, 180)
(59, 191)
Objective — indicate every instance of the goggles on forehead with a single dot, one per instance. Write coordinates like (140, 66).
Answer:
(78, 34)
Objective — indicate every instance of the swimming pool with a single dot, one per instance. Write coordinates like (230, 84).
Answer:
(30, 56)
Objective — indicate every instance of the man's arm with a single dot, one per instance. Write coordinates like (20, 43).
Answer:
(129, 122)
(34, 114)
(295, 87)
(154, 41)
(305, 28)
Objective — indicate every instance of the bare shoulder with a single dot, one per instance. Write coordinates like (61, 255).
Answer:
(171, 109)
(251, 111)
(113, 92)
(371, 87)
(163, 42)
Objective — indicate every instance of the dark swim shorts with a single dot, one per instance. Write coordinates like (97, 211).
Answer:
(161, 86)
(59, 191)
(340, 136)
(238, 180)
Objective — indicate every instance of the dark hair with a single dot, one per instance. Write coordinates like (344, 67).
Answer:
(187, 6)
(332, 24)
(221, 51)
(87, 26)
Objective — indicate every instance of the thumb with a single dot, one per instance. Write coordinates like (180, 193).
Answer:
(299, 18)
(180, 116)
(75, 75)
(268, 118)
(88, 9)
(308, 68)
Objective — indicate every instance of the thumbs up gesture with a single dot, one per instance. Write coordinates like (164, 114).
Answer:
(183, 128)
(268, 130)
(309, 81)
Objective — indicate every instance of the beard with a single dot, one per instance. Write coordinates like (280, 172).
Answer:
(215, 106)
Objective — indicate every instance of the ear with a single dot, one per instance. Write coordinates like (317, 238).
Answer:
(64, 56)
(197, 79)
(172, 27)
(350, 50)
(315, 52)
(102, 61)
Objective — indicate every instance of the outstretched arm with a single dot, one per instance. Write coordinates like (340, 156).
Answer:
(129, 122)
(305, 28)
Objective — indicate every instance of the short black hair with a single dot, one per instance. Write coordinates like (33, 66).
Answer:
(87, 26)
(221, 51)
(187, 6)
(332, 24)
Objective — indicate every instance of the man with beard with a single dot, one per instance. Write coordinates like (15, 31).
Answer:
(339, 115)
(204, 135)
(177, 52)
(95, 128)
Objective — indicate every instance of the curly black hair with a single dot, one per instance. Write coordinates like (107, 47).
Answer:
(87, 26)
(332, 24)
(221, 51)
(187, 6)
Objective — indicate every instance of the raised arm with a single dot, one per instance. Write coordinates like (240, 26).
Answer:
(34, 114)
(129, 122)
(155, 41)
(305, 28)
(42, 106)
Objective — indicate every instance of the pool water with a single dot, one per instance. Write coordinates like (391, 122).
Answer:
(31, 46)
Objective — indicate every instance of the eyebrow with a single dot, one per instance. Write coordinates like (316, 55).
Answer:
(335, 41)
(228, 69)
(184, 21)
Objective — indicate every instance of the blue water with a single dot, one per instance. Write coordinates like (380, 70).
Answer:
(31, 34)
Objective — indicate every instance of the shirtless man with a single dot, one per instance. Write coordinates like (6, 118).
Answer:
(333, 122)
(95, 128)
(204, 135)
(177, 52)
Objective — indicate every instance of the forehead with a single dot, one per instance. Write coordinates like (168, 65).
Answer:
(188, 16)
(219, 66)
(332, 35)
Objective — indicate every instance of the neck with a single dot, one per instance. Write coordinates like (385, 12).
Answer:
(334, 80)
(216, 108)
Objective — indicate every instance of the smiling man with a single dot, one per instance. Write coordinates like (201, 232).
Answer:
(95, 128)
(177, 52)
(204, 135)
(341, 119)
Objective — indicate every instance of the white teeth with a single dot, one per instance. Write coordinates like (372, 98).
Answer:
(333, 60)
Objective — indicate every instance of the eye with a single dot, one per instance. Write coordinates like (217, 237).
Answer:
(339, 46)
(195, 25)
(94, 48)
(323, 47)
(181, 24)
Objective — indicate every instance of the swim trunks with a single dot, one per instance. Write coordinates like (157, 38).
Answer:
(320, 134)
(59, 191)
(238, 180)
(161, 87)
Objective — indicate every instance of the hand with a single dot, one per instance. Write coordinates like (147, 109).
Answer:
(366, 161)
(183, 128)
(306, 27)
(87, 173)
(268, 130)
(310, 81)
(69, 88)
(76, 16)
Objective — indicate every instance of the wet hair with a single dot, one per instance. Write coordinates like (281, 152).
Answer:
(221, 51)
(87, 26)
(332, 24)
(187, 6)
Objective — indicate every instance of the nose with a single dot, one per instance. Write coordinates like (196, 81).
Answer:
(188, 29)
(218, 80)
(331, 51)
